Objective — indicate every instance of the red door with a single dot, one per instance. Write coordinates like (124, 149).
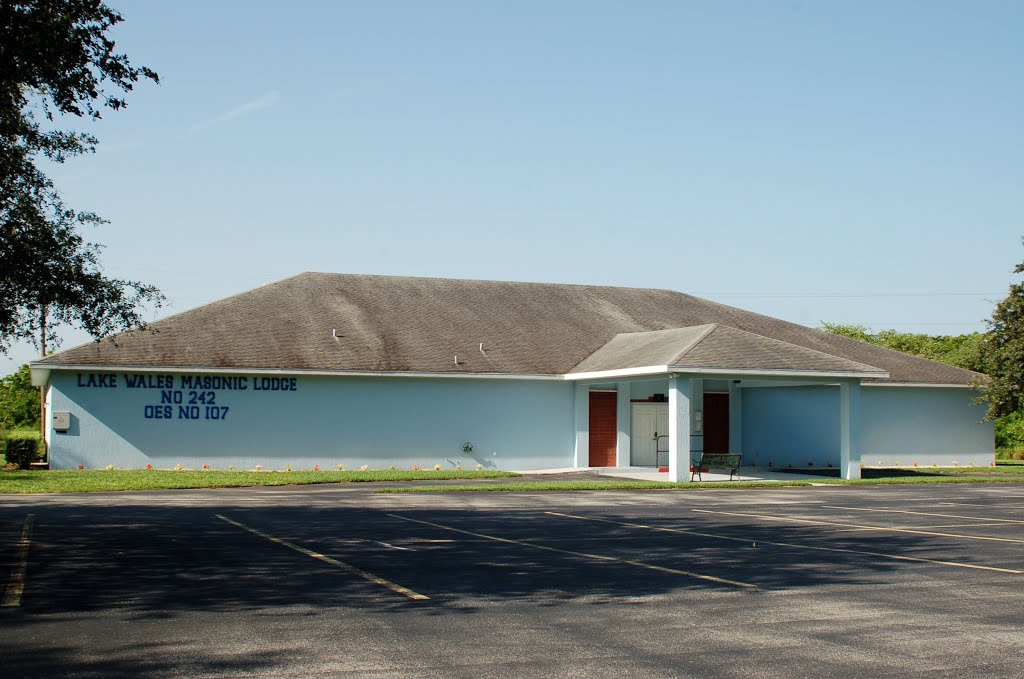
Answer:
(716, 423)
(603, 429)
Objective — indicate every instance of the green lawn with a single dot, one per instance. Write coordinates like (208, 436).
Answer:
(1003, 473)
(96, 480)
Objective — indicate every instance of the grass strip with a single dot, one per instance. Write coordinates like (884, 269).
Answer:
(587, 485)
(102, 480)
(538, 486)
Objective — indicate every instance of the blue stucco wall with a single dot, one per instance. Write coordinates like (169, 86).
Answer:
(380, 422)
(799, 427)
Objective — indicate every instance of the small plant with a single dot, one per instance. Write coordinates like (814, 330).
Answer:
(880, 463)
(364, 467)
(915, 463)
(110, 467)
(458, 466)
(287, 467)
(392, 467)
(316, 467)
(416, 468)
(954, 463)
(259, 468)
(479, 467)
(897, 463)
(437, 467)
(178, 468)
(992, 463)
(20, 450)
(970, 463)
(231, 467)
(206, 467)
(341, 467)
(81, 467)
(149, 466)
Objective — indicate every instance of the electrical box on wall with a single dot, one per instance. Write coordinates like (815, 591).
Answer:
(61, 420)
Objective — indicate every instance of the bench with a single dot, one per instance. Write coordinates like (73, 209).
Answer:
(709, 461)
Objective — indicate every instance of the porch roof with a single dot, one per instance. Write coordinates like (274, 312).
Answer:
(717, 348)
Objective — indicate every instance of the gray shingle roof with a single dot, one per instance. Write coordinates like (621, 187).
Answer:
(712, 346)
(392, 323)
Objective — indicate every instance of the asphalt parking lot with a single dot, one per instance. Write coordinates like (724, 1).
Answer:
(881, 581)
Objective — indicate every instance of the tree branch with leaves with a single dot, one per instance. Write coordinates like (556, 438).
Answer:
(57, 62)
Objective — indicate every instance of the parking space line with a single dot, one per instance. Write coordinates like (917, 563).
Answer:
(377, 580)
(948, 525)
(599, 557)
(942, 516)
(792, 545)
(16, 585)
(882, 529)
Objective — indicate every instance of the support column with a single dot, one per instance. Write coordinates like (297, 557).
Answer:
(624, 420)
(735, 418)
(849, 430)
(581, 453)
(678, 428)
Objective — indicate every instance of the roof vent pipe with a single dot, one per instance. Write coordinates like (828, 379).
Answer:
(482, 349)
(456, 359)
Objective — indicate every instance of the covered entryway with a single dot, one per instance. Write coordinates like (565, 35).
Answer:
(700, 369)
(603, 428)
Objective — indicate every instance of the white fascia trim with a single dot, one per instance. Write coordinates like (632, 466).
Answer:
(861, 374)
(917, 385)
(45, 369)
(41, 373)
(621, 372)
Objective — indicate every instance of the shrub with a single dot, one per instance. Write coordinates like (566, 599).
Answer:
(22, 450)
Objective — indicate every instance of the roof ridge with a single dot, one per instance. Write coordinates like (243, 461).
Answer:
(711, 327)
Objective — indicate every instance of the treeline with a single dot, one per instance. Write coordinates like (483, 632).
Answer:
(19, 401)
(964, 351)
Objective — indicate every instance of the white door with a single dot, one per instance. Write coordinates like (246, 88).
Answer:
(650, 425)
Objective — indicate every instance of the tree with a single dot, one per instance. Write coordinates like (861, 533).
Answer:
(56, 63)
(1005, 351)
(19, 401)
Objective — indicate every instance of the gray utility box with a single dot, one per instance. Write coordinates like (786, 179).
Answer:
(61, 420)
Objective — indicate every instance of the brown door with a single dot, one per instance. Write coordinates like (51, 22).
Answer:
(603, 429)
(716, 423)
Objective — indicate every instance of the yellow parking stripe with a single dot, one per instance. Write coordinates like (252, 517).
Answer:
(326, 559)
(16, 586)
(760, 541)
(942, 516)
(599, 557)
(883, 529)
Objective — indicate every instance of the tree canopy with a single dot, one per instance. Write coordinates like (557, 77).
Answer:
(19, 401)
(1005, 349)
(57, 63)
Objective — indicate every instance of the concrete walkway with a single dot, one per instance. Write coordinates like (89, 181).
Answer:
(652, 474)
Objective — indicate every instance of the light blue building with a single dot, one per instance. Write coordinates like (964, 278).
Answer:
(329, 369)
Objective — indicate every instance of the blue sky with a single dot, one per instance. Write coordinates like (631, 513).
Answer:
(855, 162)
